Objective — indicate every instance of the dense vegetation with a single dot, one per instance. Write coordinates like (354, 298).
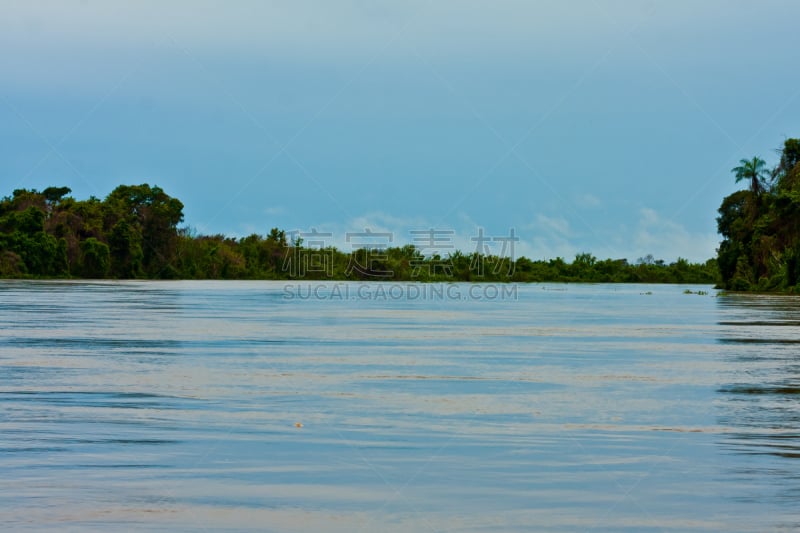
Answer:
(761, 226)
(134, 233)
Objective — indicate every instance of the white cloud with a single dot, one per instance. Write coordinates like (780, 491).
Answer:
(376, 222)
(667, 239)
(547, 237)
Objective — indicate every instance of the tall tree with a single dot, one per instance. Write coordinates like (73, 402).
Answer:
(755, 171)
(761, 226)
(152, 217)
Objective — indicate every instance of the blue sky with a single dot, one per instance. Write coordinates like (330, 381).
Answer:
(608, 127)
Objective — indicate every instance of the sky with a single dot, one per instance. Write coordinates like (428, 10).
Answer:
(607, 127)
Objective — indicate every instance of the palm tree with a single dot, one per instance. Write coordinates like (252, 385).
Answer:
(754, 170)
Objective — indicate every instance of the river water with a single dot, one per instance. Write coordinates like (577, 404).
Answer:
(347, 407)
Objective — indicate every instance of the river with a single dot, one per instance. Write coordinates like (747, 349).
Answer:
(375, 407)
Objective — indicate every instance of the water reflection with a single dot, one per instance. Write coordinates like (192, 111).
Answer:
(759, 398)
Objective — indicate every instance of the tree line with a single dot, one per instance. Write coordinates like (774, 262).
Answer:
(134, 233)
(760, 225)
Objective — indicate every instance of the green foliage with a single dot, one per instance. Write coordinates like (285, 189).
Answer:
(55, 194)
(699, 293)
(11, 265)
(760, 226)
(96, 259)
(29, 221)
(133, 233)
(787, 173)
(754, 171)
(125, 246)
(25, 246)
(146, 220)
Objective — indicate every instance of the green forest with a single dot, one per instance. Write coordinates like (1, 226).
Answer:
(760, 226)
(134, 233)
